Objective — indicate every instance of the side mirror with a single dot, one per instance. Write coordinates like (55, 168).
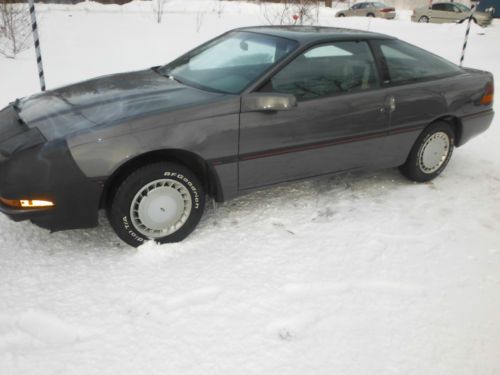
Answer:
(267, 102)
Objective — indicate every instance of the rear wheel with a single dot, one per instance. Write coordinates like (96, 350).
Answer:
(370, 15)
(430, 153)
(341, 15)
(162, 202)
(423, 19)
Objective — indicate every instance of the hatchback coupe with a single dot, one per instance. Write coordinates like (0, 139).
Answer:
(254, 107)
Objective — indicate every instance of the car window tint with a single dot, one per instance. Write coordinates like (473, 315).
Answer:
(439, 7)
(409, 63)
(450, 8)
(327, 70)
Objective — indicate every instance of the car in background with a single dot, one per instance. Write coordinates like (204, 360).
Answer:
(489, 6)
(368, 9)
(252, 108)
(450, 12)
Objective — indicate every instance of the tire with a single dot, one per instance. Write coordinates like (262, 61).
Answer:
(423, 19)
(370, 15)
(341, 15)
(163, 202)
(430, 153)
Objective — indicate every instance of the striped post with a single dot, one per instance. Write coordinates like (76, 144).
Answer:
(469, 22)
(36, 39)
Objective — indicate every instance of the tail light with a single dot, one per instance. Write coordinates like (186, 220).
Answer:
(487, 98)
(387, 10)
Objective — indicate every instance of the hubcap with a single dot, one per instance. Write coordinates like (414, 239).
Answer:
(160, 208)
(434, 152)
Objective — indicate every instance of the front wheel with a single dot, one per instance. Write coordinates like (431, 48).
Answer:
(341, 15)
(430, 153)
(424, 19)
(370, 15)
(162, 202)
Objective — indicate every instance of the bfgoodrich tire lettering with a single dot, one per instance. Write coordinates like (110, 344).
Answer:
(420, 168)
(177, 184)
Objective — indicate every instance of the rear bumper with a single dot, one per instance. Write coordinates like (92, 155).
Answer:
(473, 125)
(388, 16)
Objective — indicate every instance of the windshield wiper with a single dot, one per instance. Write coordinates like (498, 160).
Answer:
(169, 76)
(157, 69)
(15, 105)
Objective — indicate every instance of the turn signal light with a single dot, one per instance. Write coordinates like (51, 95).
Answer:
(26, 203)
(36, 203)
(487, 98)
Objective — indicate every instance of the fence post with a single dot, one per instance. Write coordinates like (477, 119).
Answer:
(36, 40)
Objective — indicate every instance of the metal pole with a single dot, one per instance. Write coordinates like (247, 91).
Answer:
(466, 36)
(36, 39)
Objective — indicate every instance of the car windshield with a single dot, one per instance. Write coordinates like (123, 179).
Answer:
(462, 7)
(230, 63)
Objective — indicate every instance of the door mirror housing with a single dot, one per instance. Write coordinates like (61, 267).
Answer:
(267, 102)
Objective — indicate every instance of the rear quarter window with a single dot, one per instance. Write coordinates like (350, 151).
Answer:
(407, 63)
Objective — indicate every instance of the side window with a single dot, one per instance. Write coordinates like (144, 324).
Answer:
(325, 70)
(408, 63)
(439, 7)
(356, 6)
(449, 7)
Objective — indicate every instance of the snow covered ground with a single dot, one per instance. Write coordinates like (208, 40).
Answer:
(364, 274)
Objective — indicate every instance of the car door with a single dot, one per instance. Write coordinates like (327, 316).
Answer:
(452, 13)
(340, 122)
(355, 10)
(363, 9)
(416, 79)
(438, 14)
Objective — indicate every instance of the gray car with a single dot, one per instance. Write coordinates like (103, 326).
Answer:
(368, 9)
(450, 12)
(252, 108)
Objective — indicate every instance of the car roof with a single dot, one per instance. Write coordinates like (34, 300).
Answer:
(308, 34)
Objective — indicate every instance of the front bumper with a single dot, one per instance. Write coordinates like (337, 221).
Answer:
(484, 22)
(44, 171)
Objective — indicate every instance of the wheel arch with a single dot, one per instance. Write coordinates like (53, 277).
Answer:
(455, 123)
(207, 175)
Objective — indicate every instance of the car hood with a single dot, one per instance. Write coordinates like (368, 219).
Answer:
(106, 100)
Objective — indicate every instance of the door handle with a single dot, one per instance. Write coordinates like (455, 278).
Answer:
(391, 104)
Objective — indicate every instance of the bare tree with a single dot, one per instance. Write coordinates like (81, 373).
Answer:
(15, 28)
(293, 12)
(219, 7)
(159, 9)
